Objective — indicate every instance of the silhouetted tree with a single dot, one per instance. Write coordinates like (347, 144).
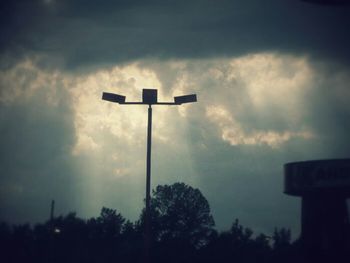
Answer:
(240, 236)
(183, 231)
(22, 241)
(67, 239)
(105, 235)
(182, 213)
(181, 222)
(132, 242)
(110, 223)
(237, 245)
(281, 238)
(6, 242)
(242, 243)
(283, 250)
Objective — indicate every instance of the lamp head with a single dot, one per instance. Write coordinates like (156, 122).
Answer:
(149, 96)
(113, 97)
(185, 99)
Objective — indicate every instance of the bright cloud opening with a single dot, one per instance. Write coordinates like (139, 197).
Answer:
(232, 132)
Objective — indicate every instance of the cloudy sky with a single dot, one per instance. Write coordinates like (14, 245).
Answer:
(272, 80)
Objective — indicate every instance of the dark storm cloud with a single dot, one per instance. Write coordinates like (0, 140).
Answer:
(77, 33)
(35, 163)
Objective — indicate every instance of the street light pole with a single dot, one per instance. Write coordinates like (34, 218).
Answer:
(149, 97)
(148, 187)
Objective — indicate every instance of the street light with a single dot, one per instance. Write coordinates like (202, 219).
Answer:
(113, 97)
(149, 97)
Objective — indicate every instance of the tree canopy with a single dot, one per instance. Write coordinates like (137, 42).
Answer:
(182, 213)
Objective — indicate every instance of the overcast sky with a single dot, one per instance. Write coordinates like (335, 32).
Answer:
(272, 79)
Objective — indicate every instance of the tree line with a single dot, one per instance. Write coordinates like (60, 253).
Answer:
(183, 230)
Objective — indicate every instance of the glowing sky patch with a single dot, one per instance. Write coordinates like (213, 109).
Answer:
(270, 82)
